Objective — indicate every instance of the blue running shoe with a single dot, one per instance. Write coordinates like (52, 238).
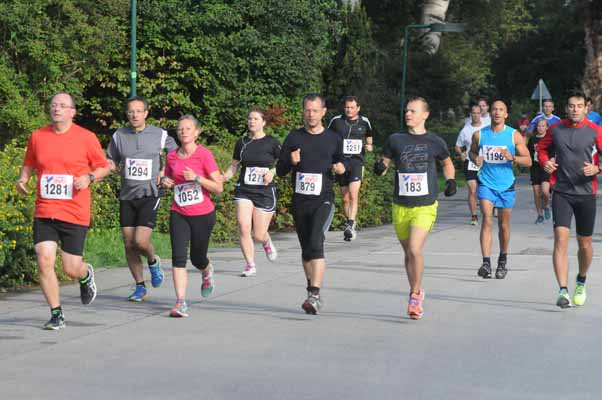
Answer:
(156, 272)
(139, 294)
(547, 213)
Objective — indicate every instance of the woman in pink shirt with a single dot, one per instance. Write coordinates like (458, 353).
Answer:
(193, 174)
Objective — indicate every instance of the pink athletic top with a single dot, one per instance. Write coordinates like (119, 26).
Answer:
(189, 198)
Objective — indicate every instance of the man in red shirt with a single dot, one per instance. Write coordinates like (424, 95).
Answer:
(66, 159)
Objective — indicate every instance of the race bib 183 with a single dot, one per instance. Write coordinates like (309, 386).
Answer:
(58, 187)
(254, 175)
(308, 183)
(188, 194)
(138, 169)
(493, 154)
(413, 184)
(352, 146)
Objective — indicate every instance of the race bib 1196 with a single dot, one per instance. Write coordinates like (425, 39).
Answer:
(493, 154)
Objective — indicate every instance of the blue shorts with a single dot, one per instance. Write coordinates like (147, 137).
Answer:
(503, 199)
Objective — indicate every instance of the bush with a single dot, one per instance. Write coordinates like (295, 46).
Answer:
(17, 258)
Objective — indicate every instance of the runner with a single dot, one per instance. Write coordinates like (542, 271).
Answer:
(136, 150)
(356, 131)
(67, 159)
(494, 148)
(311, 154)
(192, 172)
(548, 114)
(470, 169)
(540, 180)
(577, 142)
(415, 196)
(255, 193)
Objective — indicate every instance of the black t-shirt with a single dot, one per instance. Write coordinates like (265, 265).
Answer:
(532, 146)
(353, 134)
(312, 178)
(255, 155)
(415, 159)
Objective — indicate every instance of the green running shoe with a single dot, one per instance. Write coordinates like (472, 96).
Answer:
(564, 300)
(580, 294)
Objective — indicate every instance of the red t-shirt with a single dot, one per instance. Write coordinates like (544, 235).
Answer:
(189, 197)
(60, 158)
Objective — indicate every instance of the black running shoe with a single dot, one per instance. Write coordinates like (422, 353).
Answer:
(56, 322)
(501, 271)
(87, 290)
(485, 271)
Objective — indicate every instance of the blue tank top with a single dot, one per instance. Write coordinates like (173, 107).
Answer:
(496, 172)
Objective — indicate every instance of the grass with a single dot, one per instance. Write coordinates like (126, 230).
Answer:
(104, 248)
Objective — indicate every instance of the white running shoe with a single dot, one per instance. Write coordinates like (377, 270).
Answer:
(249, 270)
(270, 251)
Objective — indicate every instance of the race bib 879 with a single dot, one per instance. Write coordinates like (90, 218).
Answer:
(308, 183)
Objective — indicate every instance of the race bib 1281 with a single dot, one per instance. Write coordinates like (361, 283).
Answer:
(58, 187)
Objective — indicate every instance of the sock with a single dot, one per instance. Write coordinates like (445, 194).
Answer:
(564, 288)
(153, 262)
(487, 260)
(86, 279)
(308, 285)
(251, 264)
(140, 284)
(502, 257)
(474, 216)
(313, 290)
(581, 279)
(56, 311)
(350, 222)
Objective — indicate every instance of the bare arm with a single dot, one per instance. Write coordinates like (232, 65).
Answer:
(449, 172)
(24, 176)
(231, 171)
(522, 156)
(474, 149)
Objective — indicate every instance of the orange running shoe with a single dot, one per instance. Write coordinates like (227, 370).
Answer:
(415, 305)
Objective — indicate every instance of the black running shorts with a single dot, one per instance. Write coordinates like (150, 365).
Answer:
(583, 207)
(139, 212)
(72, 237)
(354, 173)
(264, 200)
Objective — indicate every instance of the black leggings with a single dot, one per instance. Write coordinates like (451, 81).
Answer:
(194, 229)
(312, 221)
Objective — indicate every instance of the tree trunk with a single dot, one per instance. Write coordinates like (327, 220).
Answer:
(351, 3)
(433, 11)
(592, 76)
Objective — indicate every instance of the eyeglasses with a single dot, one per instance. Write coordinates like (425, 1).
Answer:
(60, 105)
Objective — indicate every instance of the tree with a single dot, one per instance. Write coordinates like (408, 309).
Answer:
(592, 77)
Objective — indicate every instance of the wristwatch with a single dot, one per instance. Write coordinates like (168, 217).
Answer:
(197, 179)
(91, 177)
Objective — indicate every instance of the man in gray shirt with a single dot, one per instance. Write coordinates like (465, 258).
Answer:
(136, 151)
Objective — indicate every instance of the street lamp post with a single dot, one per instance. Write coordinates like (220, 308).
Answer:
(435, 27)
(133, 73)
